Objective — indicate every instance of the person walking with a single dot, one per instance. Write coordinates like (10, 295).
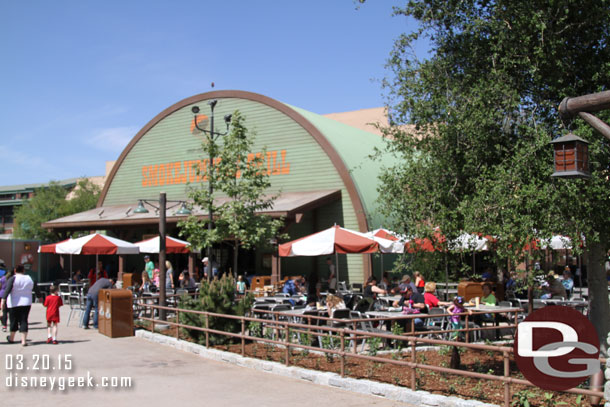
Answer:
(4, 309)
(52, 303)
(18, 299)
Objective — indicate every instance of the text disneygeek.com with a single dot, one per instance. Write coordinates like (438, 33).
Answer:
(18, 366)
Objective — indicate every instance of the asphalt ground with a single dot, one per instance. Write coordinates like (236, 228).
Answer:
(131, 371)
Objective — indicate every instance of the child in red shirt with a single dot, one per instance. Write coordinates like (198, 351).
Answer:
(53, 302)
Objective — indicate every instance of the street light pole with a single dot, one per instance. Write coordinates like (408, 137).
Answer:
(141, 209)
(210, 187)
(162, 271)
(210, 134)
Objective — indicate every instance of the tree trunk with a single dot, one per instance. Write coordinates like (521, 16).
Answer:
(598, 292)
(455, 358)
(235, 254)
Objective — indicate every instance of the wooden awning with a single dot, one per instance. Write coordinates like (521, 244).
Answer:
(290, 206)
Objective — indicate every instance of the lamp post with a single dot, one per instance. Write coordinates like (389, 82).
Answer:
(162, 208)
(211, 136)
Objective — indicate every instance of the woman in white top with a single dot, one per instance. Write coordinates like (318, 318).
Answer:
(18, 297)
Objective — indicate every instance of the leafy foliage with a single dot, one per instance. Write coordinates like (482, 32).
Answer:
(217, 296)
(239, 175)
(473, 121)
(50, 203)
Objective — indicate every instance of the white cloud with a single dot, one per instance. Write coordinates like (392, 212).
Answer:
(18, 157)
(112, 139)
(28, 168)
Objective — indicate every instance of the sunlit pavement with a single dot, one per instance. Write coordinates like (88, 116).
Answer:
(160, 376)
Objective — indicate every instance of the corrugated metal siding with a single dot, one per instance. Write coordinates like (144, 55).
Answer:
(171, 141)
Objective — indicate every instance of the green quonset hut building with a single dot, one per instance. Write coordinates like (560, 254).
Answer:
(320, 166)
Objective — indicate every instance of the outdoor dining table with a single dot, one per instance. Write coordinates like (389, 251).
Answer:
(301, 311)
(389, 298)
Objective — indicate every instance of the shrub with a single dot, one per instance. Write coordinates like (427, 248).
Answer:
(219, 297)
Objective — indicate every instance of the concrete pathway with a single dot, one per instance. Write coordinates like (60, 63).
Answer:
(160, 376)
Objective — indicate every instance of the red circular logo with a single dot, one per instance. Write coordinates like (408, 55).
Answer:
(556, 348)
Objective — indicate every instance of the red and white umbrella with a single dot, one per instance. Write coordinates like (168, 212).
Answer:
(471, 242)
(388, 241)
(96, 244)
(425, 244)
(332, 240)
(172, 245)
(557, 242)
(50, 248)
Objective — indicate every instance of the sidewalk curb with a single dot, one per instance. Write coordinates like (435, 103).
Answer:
(362, 386)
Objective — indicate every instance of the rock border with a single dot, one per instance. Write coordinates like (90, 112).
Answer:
(362, 386)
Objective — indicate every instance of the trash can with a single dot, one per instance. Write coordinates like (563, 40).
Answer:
(117, 309)
(101, 312)
(127, 279)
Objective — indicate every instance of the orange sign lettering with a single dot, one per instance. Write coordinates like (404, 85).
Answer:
(182, 172)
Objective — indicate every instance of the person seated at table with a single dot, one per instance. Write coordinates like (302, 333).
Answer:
(77, 277)
(146, 283)
(553, 287)
(420, 283)
(411, 299)
(187, 282)
(371, 289)
(568, 282)
(430, 298)
(406, 282)
(290, 287)
(488, 298)
(510, 285)
(334, 302)
(385, 282)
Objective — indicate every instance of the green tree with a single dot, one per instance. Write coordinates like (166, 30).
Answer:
(239, 176)
(482, 109)
(50, 203)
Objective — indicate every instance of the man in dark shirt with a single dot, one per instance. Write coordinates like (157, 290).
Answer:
(92, 300)
(412, 299)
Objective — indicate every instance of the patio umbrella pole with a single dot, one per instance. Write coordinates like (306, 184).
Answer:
(337, 266)
(473, 263)
(446, 278)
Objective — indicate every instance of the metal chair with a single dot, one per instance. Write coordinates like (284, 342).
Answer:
(357, 287)
(76, 305)
(340, 318)
(364, 304)
(366, 326)
(439, 323)
(64, 292)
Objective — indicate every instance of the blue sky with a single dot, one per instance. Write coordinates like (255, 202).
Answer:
(80, 78)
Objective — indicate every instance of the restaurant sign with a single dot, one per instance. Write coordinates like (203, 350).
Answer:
(192, 171)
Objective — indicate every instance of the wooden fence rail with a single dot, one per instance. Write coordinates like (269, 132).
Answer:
(352, 335)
